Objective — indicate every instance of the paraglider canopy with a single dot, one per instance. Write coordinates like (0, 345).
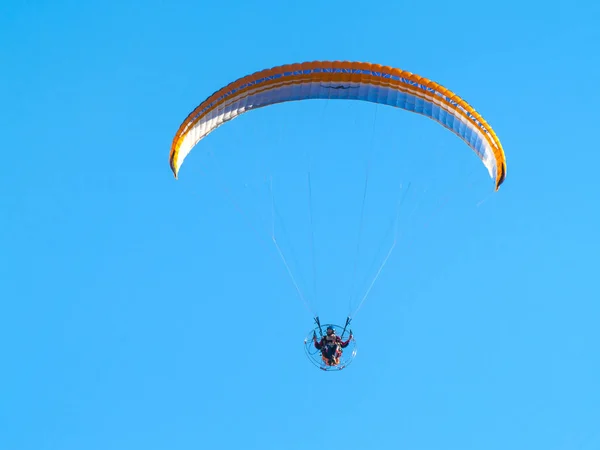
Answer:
(346, 80)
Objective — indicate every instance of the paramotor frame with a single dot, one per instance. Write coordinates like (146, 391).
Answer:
(314, 354)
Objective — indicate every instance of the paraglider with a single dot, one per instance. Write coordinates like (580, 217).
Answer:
(335, 353)
(341, 80)
(331, 346)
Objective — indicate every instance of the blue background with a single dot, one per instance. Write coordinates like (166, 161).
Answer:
(138, 311)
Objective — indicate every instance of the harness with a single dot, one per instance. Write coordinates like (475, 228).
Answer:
(330, 340)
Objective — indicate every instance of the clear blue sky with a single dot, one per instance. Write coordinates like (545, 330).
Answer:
(137, 311)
